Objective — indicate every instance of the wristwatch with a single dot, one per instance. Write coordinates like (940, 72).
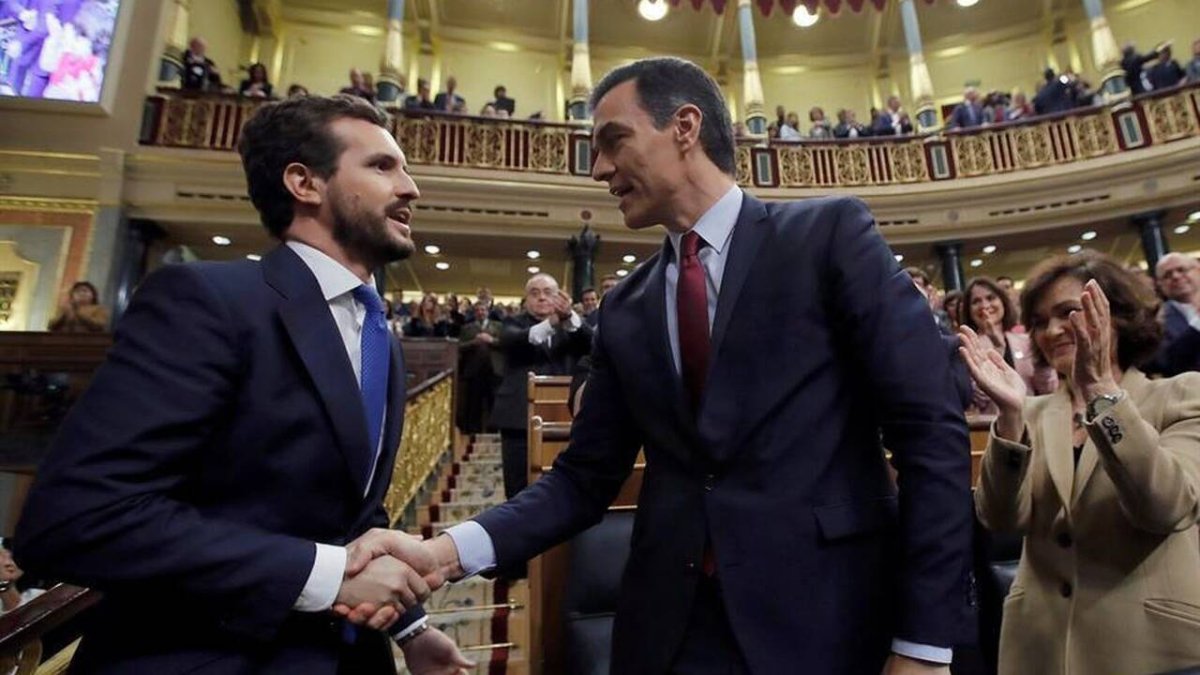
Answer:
(1102, 403)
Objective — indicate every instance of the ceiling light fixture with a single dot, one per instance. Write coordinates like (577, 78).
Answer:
(630, 258)
(1088, 236)
(442, 265)
(989, 249)
(433, 249)
(533, 269)
(622, 273)
(221, 240)
(253, 256)
(967, 3)
(652, 10)
(1074, 248)
(977, 263)
(1194, 217)
(804, 18)
(533, 255)
(899, 257)
(1182, 229)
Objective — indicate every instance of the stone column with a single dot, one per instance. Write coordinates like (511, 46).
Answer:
(390, 84)
(583, 258)
(756, 117)
(175, 39)
(953, 278)
(1105, 53)
(581, 65)
(1154, 241)
(927, 117)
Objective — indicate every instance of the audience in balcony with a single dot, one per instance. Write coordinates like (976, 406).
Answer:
(990, 314)
(1193, 66)
(449, 100)
(892, 121)
(1133, 64)
(820, 125)
(199, 71)
(420, 100)
(358, 86)
(1167, 72)
(297, 90)
(256, 85)
(81, 312)
(1055, 96)
(502, 103)
(1178, 278)
(968, 114)
(790, 131)
(1018, 107)
(428, 321)
(848, 125)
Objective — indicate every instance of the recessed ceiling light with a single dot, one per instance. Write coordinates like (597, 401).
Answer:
(630, 258)
(652, 10)
(253, 256)
(1194, 217)
(1182, 229)
(442, 265)
(533, 269)
(977, 263)
(1088, 236)
(433, 249)
(804, 18)
(622, 273)
(220, 240)
(1074, 248)
(899, 257)
(967, 3)
(989, 249)
(533, 255)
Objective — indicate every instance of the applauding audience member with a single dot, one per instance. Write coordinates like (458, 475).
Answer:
(990, 316)
(428, 321)
(256, 85)
(1167, 72)
(1102, 479)
(199, 71)
(81, 312)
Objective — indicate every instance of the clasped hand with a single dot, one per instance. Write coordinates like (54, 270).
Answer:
(387, 572)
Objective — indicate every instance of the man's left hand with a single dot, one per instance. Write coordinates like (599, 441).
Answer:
(434, 653)
(903, 665)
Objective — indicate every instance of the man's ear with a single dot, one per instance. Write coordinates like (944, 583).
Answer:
(688, 119)
(305, 186)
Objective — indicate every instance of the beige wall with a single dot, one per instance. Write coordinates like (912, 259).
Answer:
(531, 77)
(218, 23)
(320, 58)
(829, 88)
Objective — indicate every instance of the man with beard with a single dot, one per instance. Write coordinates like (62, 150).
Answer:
(232, 453)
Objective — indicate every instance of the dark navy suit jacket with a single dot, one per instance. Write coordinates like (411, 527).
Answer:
(823, 354)
(1180, 349)
(223, 435)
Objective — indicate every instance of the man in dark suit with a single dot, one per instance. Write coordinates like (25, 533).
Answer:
(1167, 72)
(1132, 63)
(231, 455)
(589, 299)
(1055, 95)
(479, 369)
(763, 360)
(892, 121)
(969, 113)
(449, 101)
(503, 102)
(1178, 277)
(420, 100)
(547, 339)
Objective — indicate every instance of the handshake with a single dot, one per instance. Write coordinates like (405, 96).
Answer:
(388, 572)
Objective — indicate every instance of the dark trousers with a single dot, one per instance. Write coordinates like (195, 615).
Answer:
(514, 451)
(709, 647)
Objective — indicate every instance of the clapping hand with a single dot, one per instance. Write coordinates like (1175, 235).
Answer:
(1091, 329)
(997, 379)
(562, 305)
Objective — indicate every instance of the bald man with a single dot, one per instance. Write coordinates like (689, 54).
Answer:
(1178, 279)
(546, 338)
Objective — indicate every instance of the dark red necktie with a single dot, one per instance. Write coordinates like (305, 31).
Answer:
(691, 306)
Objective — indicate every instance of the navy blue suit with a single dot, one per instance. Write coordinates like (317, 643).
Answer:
(1180, 348)
(224, 434)
(819, 343)
(966, 116)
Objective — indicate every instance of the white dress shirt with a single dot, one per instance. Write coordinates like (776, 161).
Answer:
(475, 549)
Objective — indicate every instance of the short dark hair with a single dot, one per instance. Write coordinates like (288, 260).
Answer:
(1010, 312)
(918, 274)
(1133, 307)
(499, 88)
(666, 83)
(587, 290)
(1004, 278)
(295, 130)
(88, 285)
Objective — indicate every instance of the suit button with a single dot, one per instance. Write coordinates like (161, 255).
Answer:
(1065, 590)
(1064, 539)
(709, 481)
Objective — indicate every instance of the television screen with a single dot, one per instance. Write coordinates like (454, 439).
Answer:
(55, 49)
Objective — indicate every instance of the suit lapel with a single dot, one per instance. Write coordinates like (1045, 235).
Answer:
(306, 318)
(1059, 455)
(743, 249)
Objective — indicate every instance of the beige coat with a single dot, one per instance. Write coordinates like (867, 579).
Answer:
(1109, 580)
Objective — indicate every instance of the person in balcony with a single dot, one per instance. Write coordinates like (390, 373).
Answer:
(892, 120)
(81, 312)
(449, 100)
(848, 126)
(1165, 73)
(501, 101)
(1019, 107)
(1193, 66)
(358, 86)
(1133, 64)
(420, 100)
(256, 85)
(199, 72)
(790, 131)
(1055, 96)
(991, 316)
(968, 114)
(820, 125)
(1102, 479)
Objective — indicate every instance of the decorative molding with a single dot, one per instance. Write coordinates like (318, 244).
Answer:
(43, 205)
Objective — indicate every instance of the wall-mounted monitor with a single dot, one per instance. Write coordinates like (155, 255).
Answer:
(56, 49)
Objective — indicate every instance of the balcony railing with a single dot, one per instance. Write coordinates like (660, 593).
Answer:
(213, 122)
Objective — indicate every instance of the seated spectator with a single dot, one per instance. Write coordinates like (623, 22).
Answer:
(1178, 278)
(427, 320)
(1133, 63)
(969, 113)
(11, 596)
(81, 312)
(358, 86)
(952, 305)
(420, 100)
(820, 128)
(297, 90)
(256, 85)
(1054, 96)
(1100, 479)
(1167, 72)
(448, 100)
(503, 102)
(1193, 66)
(990, 315)
(199, 71)
(892, 121)
(848, 126)
(1019, 107)
(790, 131)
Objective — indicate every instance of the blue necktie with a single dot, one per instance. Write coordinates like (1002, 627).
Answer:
(376, 358)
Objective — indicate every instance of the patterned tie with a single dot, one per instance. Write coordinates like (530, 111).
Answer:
(691, 304)
(376, 363)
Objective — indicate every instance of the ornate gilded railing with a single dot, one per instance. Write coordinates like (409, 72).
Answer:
(213, 122)
(428, 420)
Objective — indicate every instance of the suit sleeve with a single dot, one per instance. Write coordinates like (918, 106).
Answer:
(585, 478)
(899, 356)
(108, 508)
(1002, 499)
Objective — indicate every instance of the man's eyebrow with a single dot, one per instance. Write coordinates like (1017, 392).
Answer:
(609, 130)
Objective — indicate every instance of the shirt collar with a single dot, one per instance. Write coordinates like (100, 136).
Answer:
(332, 276)
(716, 225)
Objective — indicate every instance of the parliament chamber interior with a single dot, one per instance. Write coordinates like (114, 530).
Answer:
(1005, 155)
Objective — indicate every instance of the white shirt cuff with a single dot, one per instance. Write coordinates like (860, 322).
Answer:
(410, 628)
(572, 324)
(540, 333)
(923, 652)
(1195, 322)
(475, 550)
(321, 589)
